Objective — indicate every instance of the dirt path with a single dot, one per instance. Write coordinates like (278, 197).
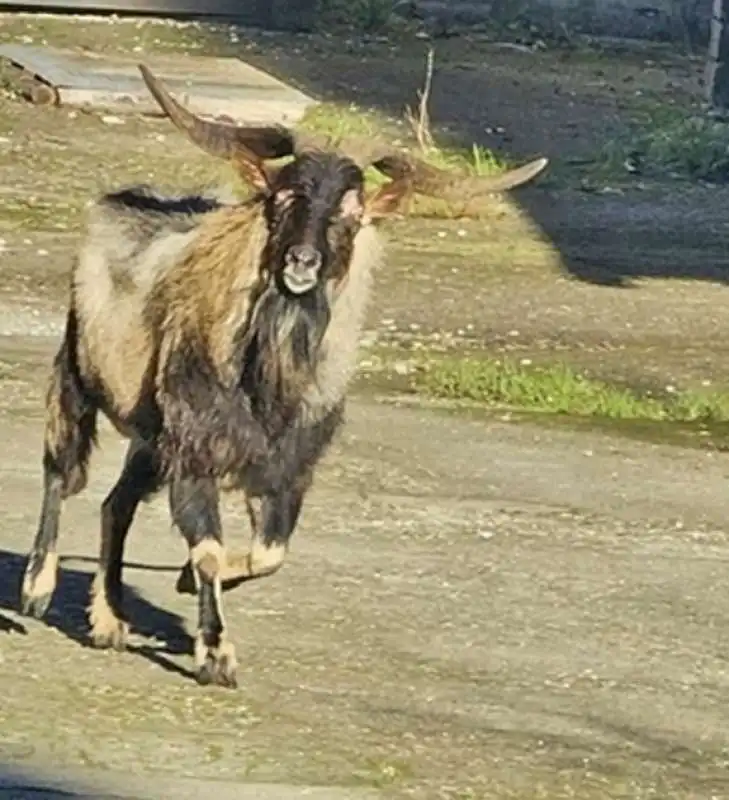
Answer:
(471, 609)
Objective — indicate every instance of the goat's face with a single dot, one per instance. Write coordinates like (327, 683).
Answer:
(314, 209)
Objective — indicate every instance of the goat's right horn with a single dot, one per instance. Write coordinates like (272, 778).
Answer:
(217, 138)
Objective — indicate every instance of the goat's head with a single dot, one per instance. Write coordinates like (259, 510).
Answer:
(314, 207)
(316, 204)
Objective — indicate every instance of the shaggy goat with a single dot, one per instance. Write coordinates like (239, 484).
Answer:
(218, 337)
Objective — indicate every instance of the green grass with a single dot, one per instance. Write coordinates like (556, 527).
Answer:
(559, 389)
(338, 122)
(665, 141)
(75, 184)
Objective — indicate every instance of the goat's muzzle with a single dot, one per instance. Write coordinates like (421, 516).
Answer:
(302, 264)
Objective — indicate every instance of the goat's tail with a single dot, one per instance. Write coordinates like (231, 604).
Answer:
(70, 419)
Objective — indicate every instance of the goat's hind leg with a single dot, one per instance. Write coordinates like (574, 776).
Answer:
(194, 505)
(139, 479)
(70, 432)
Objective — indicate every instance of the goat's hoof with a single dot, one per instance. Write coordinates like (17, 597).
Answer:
(218, 668)
(112, 635)
(35, 605)
(39, 584)
(217, 673)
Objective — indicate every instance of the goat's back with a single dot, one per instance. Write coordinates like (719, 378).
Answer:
(133, 238)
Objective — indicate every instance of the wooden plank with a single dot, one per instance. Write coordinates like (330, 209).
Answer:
(214, 86)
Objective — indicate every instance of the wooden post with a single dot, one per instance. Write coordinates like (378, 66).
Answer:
(717, 62)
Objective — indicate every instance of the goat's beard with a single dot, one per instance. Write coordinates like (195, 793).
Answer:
(281, 348)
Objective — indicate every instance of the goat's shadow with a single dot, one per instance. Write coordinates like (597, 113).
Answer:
(67, 612)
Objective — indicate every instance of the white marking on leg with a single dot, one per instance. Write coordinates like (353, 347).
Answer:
(265, 559)
(45, 581)
(262, 560)
(106, 627)
(207, 553)
(208, 558)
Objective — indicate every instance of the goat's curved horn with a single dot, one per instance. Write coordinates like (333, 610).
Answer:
(432, 181)
(217, 138)
(429, 180)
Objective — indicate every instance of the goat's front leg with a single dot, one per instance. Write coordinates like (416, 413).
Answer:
(275, 516)
(273, 519)
(194, 506)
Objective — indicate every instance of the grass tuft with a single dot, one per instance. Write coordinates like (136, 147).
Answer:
(670, 142)
(559, 389)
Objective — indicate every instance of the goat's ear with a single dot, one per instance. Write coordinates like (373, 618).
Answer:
(387, 199)
(252, 170)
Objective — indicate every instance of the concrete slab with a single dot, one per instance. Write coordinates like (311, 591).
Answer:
(26, 784)
(220, 87)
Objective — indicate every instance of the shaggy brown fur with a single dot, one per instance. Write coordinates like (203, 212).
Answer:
(180, 333)
(219, 337)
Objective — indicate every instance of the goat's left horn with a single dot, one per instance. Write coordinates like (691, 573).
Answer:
(436, 182)
(217, 138)
(430, 180)
(455, 188)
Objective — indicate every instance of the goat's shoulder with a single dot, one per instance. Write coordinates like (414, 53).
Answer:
(136, 231)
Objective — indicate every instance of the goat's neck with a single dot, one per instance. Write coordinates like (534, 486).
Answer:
(281, 348)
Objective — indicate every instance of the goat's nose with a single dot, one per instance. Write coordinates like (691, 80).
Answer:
(304, 256)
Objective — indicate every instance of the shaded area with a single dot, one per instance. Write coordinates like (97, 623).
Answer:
(67, 613)
(45, 784)
(8, 625)
(127, 564)
(466, 572)
(30, 785)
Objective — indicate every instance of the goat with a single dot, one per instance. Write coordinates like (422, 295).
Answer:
(219, 338)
